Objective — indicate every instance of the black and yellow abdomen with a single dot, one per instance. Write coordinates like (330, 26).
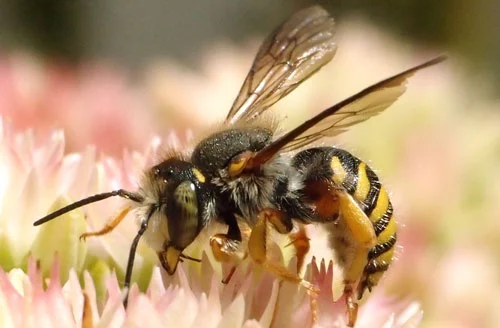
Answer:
(343, 170)
(363, 184)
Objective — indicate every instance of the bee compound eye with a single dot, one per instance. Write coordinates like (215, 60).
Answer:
(182, 214)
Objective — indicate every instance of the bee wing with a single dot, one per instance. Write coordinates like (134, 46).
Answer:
(336, 119)
(292, 53)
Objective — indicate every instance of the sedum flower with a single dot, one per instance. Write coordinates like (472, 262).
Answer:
(82, 288)
(38, 177)
(80, 100)
(249, 300)
(435, 149)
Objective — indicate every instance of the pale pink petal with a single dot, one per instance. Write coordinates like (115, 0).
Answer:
(234, 314)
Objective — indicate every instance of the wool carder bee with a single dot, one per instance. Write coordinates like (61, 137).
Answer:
(247, 172)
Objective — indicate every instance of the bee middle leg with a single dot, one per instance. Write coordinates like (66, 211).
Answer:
(257, 247)
(300, 241)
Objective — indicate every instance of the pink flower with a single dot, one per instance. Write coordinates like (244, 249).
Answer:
(94, 104)
(39, 172)
(434, 150)
(251, 300)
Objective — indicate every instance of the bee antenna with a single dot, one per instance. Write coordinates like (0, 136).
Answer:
(133, 248)
(92, 199)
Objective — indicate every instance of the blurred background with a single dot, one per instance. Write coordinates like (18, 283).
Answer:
(132, 33)
(116, 73)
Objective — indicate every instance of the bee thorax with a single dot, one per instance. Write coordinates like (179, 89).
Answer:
(252, 193)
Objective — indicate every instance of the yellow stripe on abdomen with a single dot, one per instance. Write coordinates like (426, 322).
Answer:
(363, 184)
(339, 173)
(388, 232)
(381, 207)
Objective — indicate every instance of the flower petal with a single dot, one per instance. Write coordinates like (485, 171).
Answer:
(61, 236)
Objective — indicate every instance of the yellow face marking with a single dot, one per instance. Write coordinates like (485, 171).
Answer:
(339, 173)
(388, 232)
(199, 176)
(363, 186)
(381, 207)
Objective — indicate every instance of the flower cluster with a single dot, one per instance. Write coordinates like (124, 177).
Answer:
(434, 153)
(38, 171)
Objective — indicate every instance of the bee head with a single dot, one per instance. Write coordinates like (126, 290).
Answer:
(181, 205)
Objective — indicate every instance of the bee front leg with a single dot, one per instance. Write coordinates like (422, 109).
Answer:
(110, 226)
(227, 250)
(227, 247)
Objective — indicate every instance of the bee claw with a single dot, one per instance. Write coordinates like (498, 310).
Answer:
(352, 307)
(352, 313)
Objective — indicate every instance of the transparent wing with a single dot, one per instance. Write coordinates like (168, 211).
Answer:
(353, 110)
(360, 109)
(291, 54)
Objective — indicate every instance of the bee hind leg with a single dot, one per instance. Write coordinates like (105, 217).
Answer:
(363, 238)
(351, 277)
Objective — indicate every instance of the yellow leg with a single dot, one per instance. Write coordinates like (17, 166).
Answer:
(109, 226)
(226, 249)
(351, 278)
(359, 224)
(352, 306)
(257, 249)
(364, 238)
(300, 242)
